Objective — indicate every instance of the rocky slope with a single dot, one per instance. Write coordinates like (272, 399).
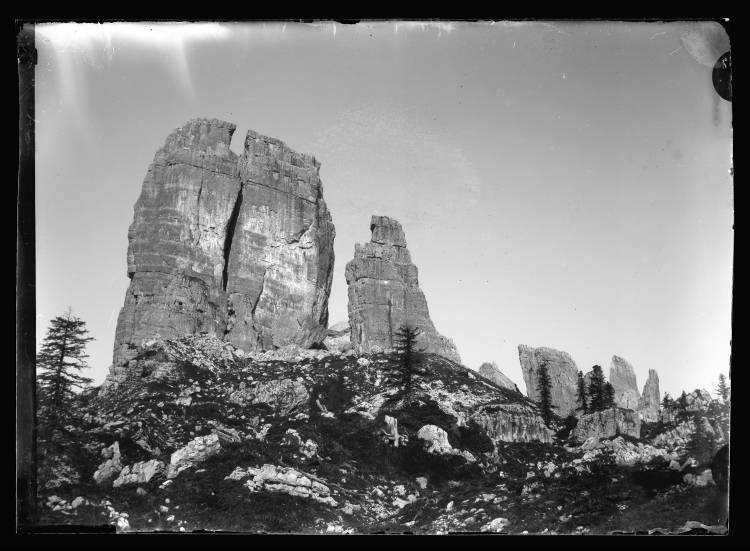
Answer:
(240, 248)
(201, 435)
(384, 294)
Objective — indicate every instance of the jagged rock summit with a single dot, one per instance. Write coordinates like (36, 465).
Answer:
(563, 374)
(235, 247)
(489, 370)
(648, 405)
(622, 377)
(384, 294)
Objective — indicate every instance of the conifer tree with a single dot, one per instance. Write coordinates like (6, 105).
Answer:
(667, 402)
(608, 396)
(581, 402)
(596, 389)
(544, 387)
(723, 389)
(409, 363)
(59, 363)
(682, 403)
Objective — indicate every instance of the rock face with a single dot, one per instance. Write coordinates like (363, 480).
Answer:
(512, 423)
(235, 247)
(649, 403)
(437, 442)
(384, 294)
(489, 370)
(608, 423)
(563, 374)
(622, 377)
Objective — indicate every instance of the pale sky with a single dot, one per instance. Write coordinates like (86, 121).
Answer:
(562, 185)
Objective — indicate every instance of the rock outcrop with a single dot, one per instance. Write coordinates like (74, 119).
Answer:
(235, 247)
(196, 451)
(622, 377)
(384, 294)
(140, 473)
(563, 374)
(512, 423)
(436, 440)
(608, 423)
(649, 403)
(286, 480)
(489, 370)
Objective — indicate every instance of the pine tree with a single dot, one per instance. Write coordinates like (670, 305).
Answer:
(544, 387)
(723, 389)
(667, 402)
(595, 389)
(608, 396)
(581, 395)
(59, 363)
(682, 404)
(408, 366)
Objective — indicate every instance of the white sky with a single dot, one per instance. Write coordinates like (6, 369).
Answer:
(560, 185)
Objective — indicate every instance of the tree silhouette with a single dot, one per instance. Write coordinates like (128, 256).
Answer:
(667, 402)
(408, 367)
(595, 389)
(608, 396)
(544, 387)
(59, 363)
(581, 395)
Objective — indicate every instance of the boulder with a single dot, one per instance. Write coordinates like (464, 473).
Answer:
(111, 467)
(489, 370)
(287, 480)
(283, 396)
(384, 294)
(720, 468)
(563, 374)
(438, 444)
(240, 248)
(608, 423)
(139, 473)
(196, 451)
(622, 377)
(650, 400)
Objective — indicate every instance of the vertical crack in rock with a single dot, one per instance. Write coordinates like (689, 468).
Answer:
(181, 285)
(229, 237)
(384, 294)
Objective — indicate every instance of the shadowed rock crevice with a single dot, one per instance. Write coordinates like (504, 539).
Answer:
(231, 225)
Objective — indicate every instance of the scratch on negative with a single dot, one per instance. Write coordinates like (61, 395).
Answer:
(675, 51)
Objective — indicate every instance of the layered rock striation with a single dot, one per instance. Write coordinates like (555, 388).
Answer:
(384, 294)
(235, 247)
(622, 377)
(563, 374)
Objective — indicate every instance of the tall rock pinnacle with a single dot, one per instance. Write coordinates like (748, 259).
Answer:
(384, 294)
(649, 402)
(563, 374)
(622, 377)
(236, 247)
